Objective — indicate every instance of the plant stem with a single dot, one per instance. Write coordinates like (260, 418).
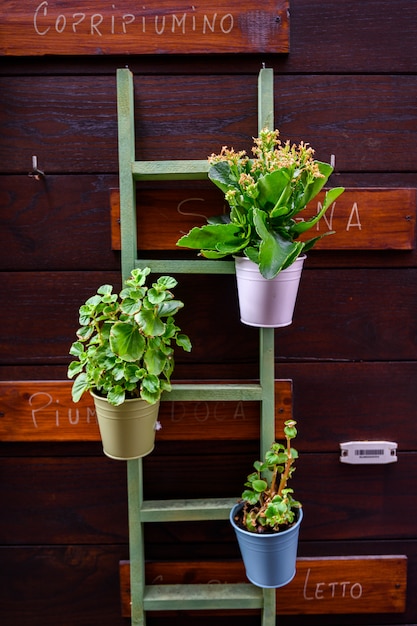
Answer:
(286, 473)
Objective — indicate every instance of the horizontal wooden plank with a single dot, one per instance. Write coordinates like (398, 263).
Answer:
(41, 584)
(76, 499)
(71, 207)
(363, 219)
(82, 582)
(346, 388)
(76, 139)
(361, 401)
(327, 585)
(44, 411)
(217, 27)
(25, 243)
(359, 314)
(368, 45)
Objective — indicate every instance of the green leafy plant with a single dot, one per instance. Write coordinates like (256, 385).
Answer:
(268, 503)
(123, 346)
(266, 195)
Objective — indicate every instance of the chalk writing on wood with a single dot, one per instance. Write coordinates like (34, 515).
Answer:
(326, 585)
(44, 411)
(127, 27)
(363, 219)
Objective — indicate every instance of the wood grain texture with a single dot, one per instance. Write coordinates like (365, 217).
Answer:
(217, 26)
(59, 124)
(380, 38)
(35, 214)
(372, 584)
(44, 411)
(362, 219)
(340, 315)
(46, 585)
(82, 583)
(348, 86)
(84, 499)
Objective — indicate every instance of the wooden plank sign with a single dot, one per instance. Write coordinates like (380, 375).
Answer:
(363, 219)
(327, 585)
(127, 27)
(44, 411)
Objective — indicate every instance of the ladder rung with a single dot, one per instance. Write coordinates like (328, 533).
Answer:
(214, 391)
(209, 596)
(178, 266)
(186, 510)
(170, 170)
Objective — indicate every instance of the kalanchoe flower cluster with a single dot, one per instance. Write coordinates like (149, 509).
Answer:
(266, 195)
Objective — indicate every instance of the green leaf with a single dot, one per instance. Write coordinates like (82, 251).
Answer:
(156, 296)
(167, 282)
(316, 185)
(259, 485)
(275, 252)
(250, 496)
(77, 349)
(150, 389)
(154, 361)
(150, 323)
(170, 307)
(330, 197)
(74, 368)
(220, 238)
(183, 341)
(290, 430)
(220, 174)
(275, 190)
(126, 341)
(116, 395)
(105, 290)
(131, 304)
(79, 387)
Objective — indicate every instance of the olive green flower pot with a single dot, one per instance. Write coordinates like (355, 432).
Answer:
(128, 430)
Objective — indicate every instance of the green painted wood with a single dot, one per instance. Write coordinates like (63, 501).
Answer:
(269, 609)
(136, 540)
(186, 510)
(266, 98)
(170, 170)
(215, 391)
(197, 266)
(267, 337)
(126, 148)
(267, 379)
(187, 597)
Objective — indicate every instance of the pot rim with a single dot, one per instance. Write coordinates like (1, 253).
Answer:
(95, 395)
(265, 536)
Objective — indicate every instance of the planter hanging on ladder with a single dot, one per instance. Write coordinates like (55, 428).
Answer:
(269, 558)
(267, 303)
(128, 430)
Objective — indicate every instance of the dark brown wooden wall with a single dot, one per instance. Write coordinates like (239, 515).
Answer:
(349, 87)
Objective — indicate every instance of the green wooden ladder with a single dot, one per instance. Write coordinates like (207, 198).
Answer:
(193, 596)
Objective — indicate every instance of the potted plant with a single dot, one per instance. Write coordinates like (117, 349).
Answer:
(124, 358)
(267, 520)
(264, 228)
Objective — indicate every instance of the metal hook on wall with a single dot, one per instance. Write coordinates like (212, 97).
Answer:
(36, 173)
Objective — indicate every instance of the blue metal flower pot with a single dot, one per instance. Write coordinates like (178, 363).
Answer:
(270, 558)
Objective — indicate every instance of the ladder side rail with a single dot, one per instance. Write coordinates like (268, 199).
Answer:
(127, 186)
(129, 246)
(267, 335)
